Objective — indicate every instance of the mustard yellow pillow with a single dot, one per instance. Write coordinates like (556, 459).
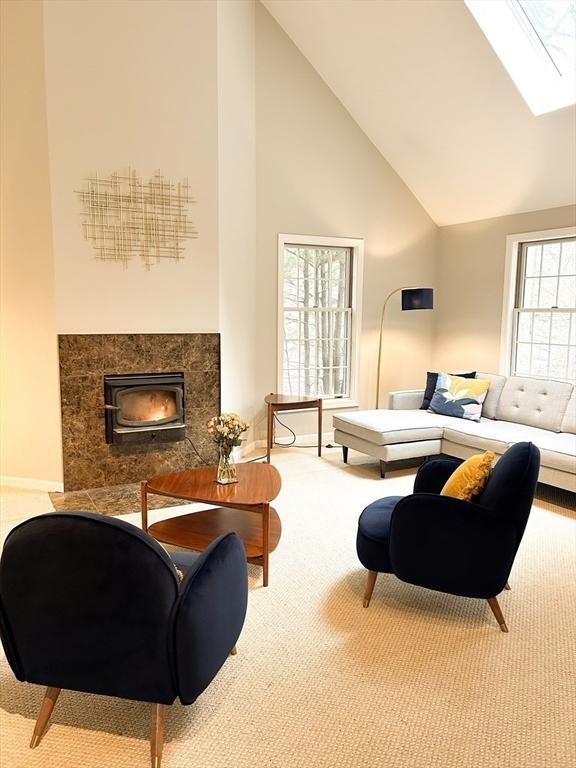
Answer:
(469, 479)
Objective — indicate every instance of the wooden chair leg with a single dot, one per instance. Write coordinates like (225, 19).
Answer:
(370, 581)
(497, 611)
(157, 735)
(46, 708)
(345, 454)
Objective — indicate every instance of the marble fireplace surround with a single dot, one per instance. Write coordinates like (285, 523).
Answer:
(105, 478)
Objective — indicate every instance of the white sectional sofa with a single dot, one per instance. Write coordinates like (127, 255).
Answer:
(515, 409)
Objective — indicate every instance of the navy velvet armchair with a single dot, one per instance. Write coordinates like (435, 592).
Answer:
(94, 604)
(459, 547)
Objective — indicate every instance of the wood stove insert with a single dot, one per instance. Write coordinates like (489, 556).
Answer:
(144, 408)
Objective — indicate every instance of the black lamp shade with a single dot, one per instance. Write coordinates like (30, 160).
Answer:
(418, 298)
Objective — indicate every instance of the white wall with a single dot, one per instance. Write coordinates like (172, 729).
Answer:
(471, 286)
(318, 174)
(30, 414)
(133, 83)
(237, 206)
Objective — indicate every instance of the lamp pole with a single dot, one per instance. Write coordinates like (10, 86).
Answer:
(394, 292)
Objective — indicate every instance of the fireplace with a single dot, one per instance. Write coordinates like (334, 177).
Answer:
(144, 408)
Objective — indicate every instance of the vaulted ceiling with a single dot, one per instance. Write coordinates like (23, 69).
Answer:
(424, 84)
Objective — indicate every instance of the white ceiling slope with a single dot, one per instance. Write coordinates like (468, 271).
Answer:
(424, 84)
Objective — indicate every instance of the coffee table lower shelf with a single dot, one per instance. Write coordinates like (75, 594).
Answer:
(196, 530)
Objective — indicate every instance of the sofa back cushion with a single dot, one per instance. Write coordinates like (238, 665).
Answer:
(493, 396)
(569, 420)
(535, 402)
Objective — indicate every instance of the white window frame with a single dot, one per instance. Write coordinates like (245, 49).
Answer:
(513, 243)
(356, 247)
(524, 55)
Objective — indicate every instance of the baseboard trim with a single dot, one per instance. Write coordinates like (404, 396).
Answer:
(31, 484)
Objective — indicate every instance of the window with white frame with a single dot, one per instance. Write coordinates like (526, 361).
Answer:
(535, 42)
(544, 328)
(318, 315)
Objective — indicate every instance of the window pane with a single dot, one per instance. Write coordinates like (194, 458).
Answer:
(316, 281)
(291, 382)
(524, 330)
(539, 365)
(560, 328)
(340, 381)
(571, 375)
(545, 341)
(291, 325)
(548, 290)
(551, 259)
(290, 292)
(522, 366)
(567, 292)
(558, 362)
(290, 262)
(291, 351)
(568, 261)
(541, 327)
(531, 291)
(553, 22)
(533, 258)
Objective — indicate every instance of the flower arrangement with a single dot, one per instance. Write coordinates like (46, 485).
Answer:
(226, 430)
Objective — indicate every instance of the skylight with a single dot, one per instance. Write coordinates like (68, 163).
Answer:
(536, 42)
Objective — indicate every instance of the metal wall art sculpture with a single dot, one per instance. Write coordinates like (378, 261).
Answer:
(125, 217)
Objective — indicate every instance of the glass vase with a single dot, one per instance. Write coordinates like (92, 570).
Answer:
(226, 466)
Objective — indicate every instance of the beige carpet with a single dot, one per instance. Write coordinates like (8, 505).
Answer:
(419, 680)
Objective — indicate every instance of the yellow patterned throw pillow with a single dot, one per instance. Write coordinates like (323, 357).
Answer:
(459, 397)
(469, 479)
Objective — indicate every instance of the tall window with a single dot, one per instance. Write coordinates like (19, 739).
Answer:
(544, 338)
(318, 318)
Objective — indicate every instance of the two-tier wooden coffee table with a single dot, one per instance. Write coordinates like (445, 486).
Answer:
(243, 507)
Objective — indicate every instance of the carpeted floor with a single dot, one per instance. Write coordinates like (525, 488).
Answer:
(419, 680)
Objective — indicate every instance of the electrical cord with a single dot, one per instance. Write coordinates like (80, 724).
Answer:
(293, 444)
(196, 451)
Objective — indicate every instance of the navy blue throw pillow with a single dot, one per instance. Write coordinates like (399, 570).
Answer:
(432, 380)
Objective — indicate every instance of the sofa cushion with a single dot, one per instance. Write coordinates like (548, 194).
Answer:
(557, 451)
(569, 420)
(460, 397)
(535, 402)
(490, 404)
(485, 434)
(383, 427)
(432, 381)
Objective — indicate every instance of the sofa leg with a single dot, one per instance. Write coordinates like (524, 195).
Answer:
(497, 611)
(370, 581)
(382, 468)
(345, 454)
(507, 586)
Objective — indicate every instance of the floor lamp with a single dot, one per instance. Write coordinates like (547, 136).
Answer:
(412, 298)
